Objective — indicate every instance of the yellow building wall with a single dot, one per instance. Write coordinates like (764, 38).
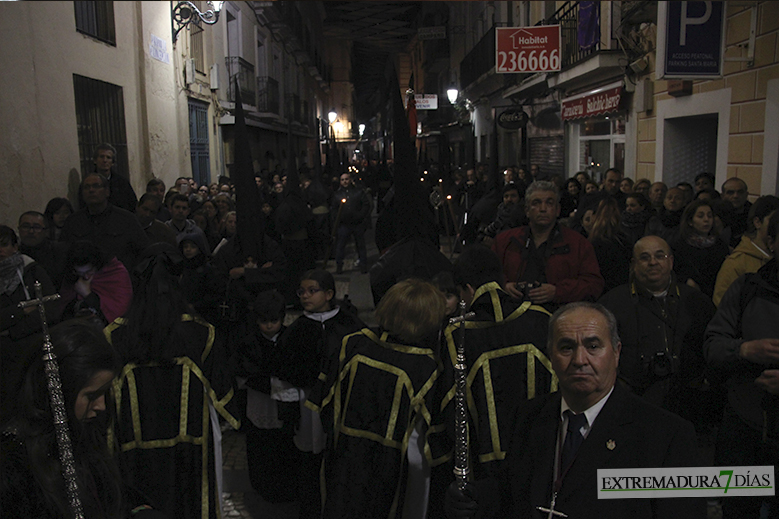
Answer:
(748, 93)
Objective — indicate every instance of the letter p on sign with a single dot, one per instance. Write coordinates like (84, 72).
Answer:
(692, 21)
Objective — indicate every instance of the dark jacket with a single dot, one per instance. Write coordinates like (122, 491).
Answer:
(309, 347)
(239, 292)
(662, 342)
(357, 208)
(51, 256)
(747, 311)
(628, 433)
(256, 359)
(613, 260)
(202, 284)
(666, 225)
(115, 230)
(122, 193)
(700, 265)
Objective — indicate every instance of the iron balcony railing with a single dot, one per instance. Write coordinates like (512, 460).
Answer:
(579, 30)
(268, 96)
(244, 71)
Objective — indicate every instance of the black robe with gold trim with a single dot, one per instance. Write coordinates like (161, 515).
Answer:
(370, 406)
(163, 422)
(505, 352)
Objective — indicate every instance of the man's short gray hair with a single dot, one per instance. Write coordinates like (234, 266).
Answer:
(611, 321)
(542, 185)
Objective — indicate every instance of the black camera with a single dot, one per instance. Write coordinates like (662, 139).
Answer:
(662, 364)
(527, 287)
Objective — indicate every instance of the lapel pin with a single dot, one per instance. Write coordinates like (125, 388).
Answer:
(611, 445)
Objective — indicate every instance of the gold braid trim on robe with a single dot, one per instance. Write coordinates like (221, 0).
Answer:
(189, 368)
(482, 366)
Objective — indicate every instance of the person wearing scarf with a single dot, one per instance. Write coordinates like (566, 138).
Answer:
(18, 274)
(667, 224)
(94, 283)
(699, 252)
(638, 212)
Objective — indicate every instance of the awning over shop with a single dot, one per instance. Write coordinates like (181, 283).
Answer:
(604, 100)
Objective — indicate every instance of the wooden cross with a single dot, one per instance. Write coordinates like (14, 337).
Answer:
(551, 511)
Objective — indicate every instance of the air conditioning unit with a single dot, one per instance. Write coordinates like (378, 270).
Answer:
(214, 76)
(189, 71)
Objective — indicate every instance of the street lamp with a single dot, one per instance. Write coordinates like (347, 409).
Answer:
(185, 12)
(452, 94)
(332, 116)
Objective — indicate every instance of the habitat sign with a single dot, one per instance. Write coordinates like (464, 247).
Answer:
(685, 482)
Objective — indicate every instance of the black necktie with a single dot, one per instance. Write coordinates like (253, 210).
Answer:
(573, 437)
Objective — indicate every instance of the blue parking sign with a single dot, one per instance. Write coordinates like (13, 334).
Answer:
(694, 39)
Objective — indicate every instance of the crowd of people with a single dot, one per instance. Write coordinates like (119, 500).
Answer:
(649, 307)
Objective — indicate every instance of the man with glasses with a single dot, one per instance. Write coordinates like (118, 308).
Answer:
(36, 244)
(114, 230)
(661, 324)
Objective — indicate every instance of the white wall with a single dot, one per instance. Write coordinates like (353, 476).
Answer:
(39, 155)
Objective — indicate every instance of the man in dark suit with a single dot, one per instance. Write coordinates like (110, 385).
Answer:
(553, 464)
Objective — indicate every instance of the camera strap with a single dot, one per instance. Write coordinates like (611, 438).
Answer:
(665, 309)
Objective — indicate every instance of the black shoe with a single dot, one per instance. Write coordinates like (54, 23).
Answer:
(339, 269)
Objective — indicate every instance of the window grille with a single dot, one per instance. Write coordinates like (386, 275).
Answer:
(99, 119)
(96, 19)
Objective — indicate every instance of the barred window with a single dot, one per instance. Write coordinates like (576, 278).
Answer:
(96, 19)
(99, 119)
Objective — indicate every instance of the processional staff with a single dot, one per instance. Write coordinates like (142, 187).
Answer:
(58, 410)
(461, 455)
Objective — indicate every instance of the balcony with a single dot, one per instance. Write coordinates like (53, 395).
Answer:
(580, 38)
(268, 96)
(244, 71)
(587, 55)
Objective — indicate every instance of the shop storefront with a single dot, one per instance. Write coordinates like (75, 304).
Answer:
(595, 130)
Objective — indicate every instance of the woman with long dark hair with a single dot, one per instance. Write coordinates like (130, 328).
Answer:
(699, 252)
(638, 211)
(32, 483)
(612, 247)
(173, 384)
(56, 212)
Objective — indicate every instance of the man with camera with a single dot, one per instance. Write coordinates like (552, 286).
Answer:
(661, 324)
(544, 262)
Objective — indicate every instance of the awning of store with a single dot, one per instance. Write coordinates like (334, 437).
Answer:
(603, 100)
